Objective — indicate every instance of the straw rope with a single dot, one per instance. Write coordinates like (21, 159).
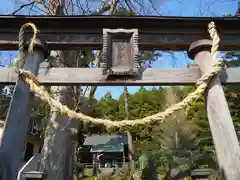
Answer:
(202, 84)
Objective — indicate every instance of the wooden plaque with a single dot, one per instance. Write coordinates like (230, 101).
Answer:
(120, 52)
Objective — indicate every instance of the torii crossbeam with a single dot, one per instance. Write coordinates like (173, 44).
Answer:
(156, 33)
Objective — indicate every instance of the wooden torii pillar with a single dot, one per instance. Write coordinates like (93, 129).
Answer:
(220, 121)
(16, 127)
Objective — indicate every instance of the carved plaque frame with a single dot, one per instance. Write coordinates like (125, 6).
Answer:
(120, 52)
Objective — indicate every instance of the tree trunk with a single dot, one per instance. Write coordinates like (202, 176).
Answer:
(56, 157)
(59, 142)
(129, 135)
(58, 148)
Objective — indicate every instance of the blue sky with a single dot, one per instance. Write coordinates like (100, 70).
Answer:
(169, 8)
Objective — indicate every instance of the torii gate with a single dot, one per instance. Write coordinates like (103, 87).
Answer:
(121, 38)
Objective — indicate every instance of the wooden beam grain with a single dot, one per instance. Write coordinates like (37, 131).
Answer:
(93, 76)
(178, 40)
(155, 33)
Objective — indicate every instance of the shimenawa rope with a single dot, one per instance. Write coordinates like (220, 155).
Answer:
(21, 56)
(202, 84)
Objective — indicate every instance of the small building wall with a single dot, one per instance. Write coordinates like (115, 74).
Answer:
(35, 140)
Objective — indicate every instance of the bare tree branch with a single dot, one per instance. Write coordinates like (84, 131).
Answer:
(23, 6)
(129, 5)
(154, 7)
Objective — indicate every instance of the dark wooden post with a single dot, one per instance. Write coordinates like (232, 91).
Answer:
(220, 121)
(16, 126)
(1, 89)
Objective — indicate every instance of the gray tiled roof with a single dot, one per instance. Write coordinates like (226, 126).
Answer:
(96, 139)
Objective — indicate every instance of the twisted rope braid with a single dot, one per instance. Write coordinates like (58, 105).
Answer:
(21, 56)
(202, 84)
(215, 38)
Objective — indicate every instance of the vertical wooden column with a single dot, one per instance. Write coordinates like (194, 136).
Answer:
(220, 121)
(1, 89)
(16, 126)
